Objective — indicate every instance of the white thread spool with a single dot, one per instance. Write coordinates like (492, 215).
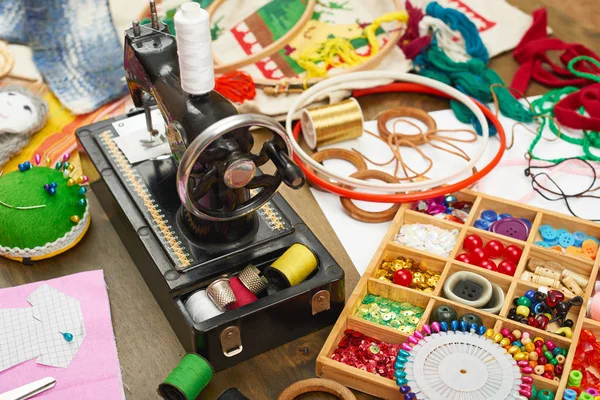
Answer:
(192, 25)
(200, 307)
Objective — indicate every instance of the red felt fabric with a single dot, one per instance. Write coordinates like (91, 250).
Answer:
(566, 110)
(531, 53)
(242, 294)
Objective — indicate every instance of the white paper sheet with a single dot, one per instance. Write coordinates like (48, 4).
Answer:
(133, 130)
(27, 333)
(507, 180)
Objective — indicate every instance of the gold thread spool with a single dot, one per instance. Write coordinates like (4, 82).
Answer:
(293, 267)
(332, 123)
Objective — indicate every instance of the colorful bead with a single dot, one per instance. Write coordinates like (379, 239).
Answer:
(421, 278)
(48, 161)
(70, 182)
(66, 165)
(66, 157)
(565, 331)
(81, 202)
(67, 336)
(523, 311)
(75, 219)
(37, 159)
(52, 191)
(58, 165)
(82, 191)
(66, 174)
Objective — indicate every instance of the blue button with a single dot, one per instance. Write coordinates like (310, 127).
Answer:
(565, 240)
(489, 215)
(545, 228)
(561, 231)
(579, 238)
(552, 242)
(482, 224)
(528, 222)
(503, 216)
(548, 235)
(543, 244)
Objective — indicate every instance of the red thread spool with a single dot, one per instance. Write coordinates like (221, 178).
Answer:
(242, 294)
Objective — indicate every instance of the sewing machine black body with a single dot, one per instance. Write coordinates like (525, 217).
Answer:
(178, 253)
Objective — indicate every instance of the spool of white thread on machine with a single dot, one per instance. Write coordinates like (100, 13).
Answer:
(192, 25)
(200, 307)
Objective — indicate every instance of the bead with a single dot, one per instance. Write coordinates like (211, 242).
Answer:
(70, 182)
(575, 378)
(75, 219)
(533, 364)
(529, 294)
(82, 190)
(548, 375)
(533, 356)
(494, 248)
(435, 327)
(513, 253)
(565, 331)
(405, 389)
(66, 157)
(401, 381)
(543, 321)
(67, 336)
(549, 367)
(471, 319)
(46, 187)
(521, 356)
(66, 174)
(488, 264)
(550, 344)
(542, 360)
(539, 370)
(48, 161)
(429, 238)
(560, 359)
(58, 165)
(538, 341)
(410, 396)
(400, 374)
(406, 346)
(498, 337)
(418, 335)
(490, 333)
(37, 159)
(558, 369)
(54, 185)
(52, 191)
(545, 394)
(504, 331)
(507, 267)
(466, 258)
(529, 347)
(517, 334)
(522, 310)
(404, 353)
(22, 168)
(524, 301)
(403, 277)
(81, 202)
(82, 179)
(527, 379)
(471, 242)
(522, 363)
(71, 168)
(66, 165)
(401, 359)
(553, 361)
(505, 342)
(481, 330)
(527, 370)
(514, 350)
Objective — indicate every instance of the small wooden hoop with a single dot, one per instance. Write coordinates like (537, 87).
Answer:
(316, 385)
(370, 216)
(409, 112)
(340, 154)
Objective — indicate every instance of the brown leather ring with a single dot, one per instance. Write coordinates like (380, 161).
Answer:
(370, 216)
(410, 112)
(340, 154)
(316, 385)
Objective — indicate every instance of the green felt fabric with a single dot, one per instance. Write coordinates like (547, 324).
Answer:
(37, 227)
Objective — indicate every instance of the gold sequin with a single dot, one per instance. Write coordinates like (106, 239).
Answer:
(423, 278)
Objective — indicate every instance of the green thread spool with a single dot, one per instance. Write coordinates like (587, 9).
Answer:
(187, 379)
(575, 378)
(293, 267)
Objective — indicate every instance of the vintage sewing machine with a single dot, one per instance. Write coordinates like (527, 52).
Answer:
(206, 210)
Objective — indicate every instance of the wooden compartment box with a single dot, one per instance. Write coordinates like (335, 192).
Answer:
(511, 286)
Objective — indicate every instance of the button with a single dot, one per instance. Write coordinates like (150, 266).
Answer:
(549, 235)
(511, 227)
(468, 290)
(504, 216)
(489, 215)
(579, 238)
(544, 228)
(561, 231)
(553, 242)
(482, 224)
(565, 240)
(542, 244)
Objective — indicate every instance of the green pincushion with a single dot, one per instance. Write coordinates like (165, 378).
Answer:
(31, 228)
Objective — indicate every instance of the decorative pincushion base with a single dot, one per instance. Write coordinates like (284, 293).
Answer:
(43, 211)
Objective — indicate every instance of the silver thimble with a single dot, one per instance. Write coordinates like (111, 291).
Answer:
(221, 294)
(250, 277)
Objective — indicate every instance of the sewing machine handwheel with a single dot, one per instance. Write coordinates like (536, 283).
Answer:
(239, 171)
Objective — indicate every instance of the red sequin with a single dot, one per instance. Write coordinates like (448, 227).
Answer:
(366, 353)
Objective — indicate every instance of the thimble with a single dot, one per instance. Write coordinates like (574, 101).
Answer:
(250, 277)
(221, 294)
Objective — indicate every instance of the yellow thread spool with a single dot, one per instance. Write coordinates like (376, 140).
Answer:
(293, 267)
(332, 123)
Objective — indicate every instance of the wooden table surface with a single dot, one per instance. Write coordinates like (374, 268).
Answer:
(148, 349)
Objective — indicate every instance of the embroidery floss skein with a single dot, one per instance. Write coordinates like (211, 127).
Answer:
(187, 379)
(293, 267)
(332, 123)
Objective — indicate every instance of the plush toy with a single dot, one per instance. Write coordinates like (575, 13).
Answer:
(21, 115)
(43, 210)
